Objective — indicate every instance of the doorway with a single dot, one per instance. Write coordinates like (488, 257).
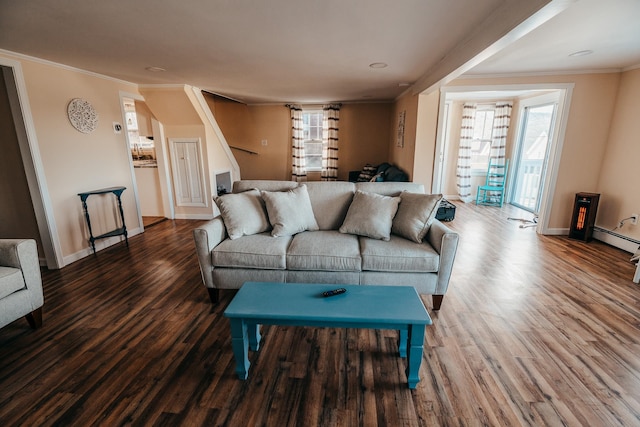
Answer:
(531, 154)
(140, 126)
(447, 140)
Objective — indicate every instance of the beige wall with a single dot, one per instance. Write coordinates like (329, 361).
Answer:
(585, 141)
(363, 135)
(75, 162)
(244, 127)
(619, 178)
(144, 116)
(149, 194)
(403, 157)
(273, 124)
(426, 133)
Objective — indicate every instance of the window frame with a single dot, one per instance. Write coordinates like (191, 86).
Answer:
(306, 126)
(480, 168)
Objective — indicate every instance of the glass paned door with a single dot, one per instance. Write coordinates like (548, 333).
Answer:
(532, 153)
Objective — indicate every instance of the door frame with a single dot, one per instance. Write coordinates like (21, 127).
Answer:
(555, 153)
(552, 98)
(13, 78)
(161, 154)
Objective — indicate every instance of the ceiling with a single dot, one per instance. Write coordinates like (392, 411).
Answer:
(310, 51)
(610, 29)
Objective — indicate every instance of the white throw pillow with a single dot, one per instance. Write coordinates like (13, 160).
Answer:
(370, 215)
(244, 213)
(290, 212)
(415, 215)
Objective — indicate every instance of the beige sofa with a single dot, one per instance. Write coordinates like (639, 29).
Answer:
(364, 233)
(20, 282)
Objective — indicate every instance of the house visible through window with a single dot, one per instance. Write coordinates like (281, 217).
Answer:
(482, 135)
(312, 131)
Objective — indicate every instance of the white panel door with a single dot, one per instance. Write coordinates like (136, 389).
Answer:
(187, 170)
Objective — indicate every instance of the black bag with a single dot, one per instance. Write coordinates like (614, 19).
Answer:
(392, 173)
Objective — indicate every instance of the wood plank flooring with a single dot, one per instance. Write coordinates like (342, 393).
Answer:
(535, 330)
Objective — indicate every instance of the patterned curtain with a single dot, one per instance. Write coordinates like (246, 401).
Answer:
(330, 142)
(463, 171)
(298, 168)
(501, 120)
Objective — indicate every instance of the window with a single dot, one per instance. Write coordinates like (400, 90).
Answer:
(482, 136)
(312, 126)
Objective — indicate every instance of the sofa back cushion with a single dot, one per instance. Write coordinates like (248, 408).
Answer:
(330, 201)
(389, 188)
(263, 185)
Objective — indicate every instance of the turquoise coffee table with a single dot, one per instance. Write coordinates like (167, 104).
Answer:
(295, 304)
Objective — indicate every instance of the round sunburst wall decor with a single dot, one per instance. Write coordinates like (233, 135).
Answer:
(82, 115)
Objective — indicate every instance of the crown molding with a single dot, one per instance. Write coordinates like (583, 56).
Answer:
(541, 73)
(21, 56)
(631, 68)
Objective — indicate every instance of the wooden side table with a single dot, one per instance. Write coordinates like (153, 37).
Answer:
(120, 231)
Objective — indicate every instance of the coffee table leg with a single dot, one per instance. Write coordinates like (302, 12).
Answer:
(240, 344)
(402, 343)
(416, 343)
(254, 336)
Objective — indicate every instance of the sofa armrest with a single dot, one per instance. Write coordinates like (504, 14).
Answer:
(445, 242)
(23, 254)
(206, 237)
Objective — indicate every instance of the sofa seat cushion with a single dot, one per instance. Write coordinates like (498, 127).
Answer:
(398, 255)
(11, 280)
(326, 250)
(255, 251)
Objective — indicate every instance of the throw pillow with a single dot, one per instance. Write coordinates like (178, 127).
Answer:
(368, 171)
(415, 215)
(290, 212)
(244, 213)
(370, 215)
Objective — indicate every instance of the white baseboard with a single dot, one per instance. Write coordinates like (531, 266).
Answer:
(617, 242)
(194, 216)
(100, 245)
(556, 232)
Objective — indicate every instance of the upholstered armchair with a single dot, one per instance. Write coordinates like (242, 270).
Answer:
(20, 282)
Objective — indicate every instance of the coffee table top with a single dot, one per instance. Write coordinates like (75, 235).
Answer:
(301, 301)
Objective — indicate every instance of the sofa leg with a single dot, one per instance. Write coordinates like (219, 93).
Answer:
(437, 301)
(35, 318)
(214, 295)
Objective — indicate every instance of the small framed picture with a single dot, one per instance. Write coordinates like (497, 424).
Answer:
(400, 137)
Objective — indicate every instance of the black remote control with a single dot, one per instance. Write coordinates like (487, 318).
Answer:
(334, 292)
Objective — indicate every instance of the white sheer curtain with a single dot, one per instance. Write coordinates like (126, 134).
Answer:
(501, 120)
(298, 167)
(331, 120)
(463, 171)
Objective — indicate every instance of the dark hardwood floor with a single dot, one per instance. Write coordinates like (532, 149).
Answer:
(535, 330)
